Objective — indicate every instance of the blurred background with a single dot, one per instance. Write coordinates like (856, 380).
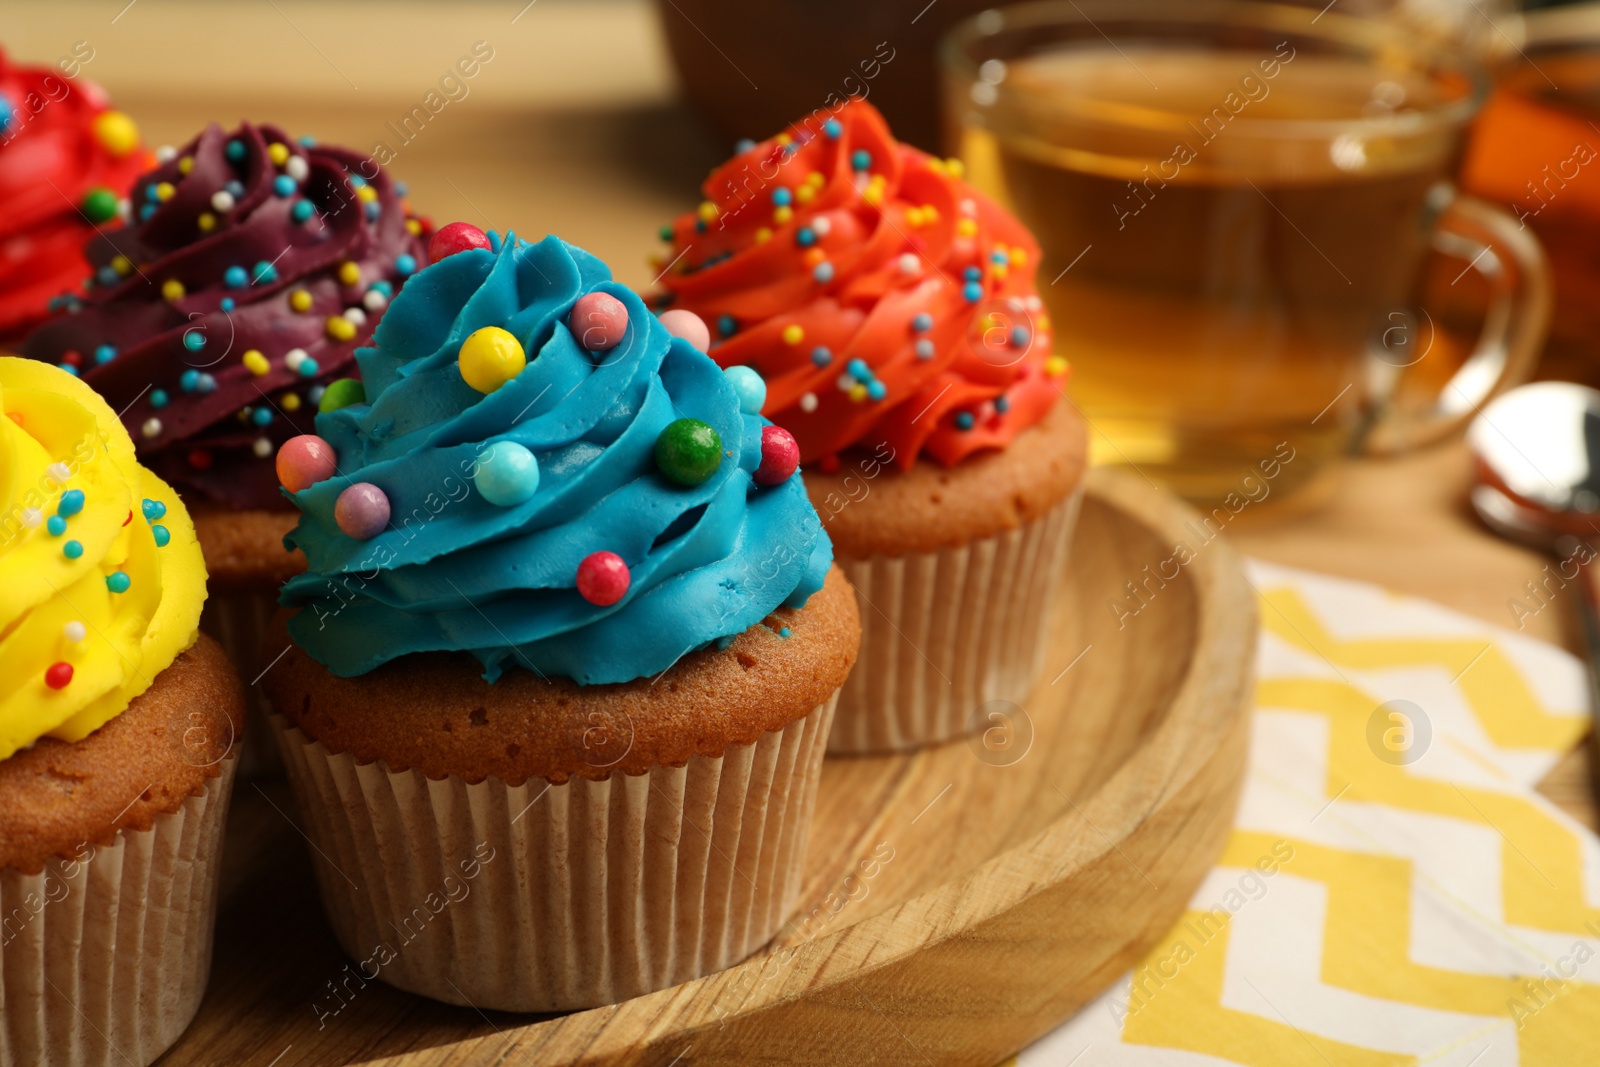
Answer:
(598, 119)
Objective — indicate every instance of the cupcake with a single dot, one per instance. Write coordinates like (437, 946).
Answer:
(66, 163)
(567, 648)
(116, 729)
(219, 321)
(889, 310)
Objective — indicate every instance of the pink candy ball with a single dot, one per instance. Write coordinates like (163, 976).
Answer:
(304, 461)
(455, 237)
(780, 455)
(603, 578)
(362, 511)
(599, 322)
(689, 326)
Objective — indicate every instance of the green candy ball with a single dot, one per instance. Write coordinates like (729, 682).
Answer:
(688, 451)
(341, 394)
(100, 205)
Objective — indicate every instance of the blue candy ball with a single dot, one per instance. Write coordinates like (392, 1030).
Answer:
(751, 389)
(507, 475)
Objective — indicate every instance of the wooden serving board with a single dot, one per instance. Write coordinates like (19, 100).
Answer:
(958, 902)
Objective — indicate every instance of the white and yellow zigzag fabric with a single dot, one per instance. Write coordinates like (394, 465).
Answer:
(1395, 892)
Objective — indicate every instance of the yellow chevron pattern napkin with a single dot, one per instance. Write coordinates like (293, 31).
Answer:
(1395, 892)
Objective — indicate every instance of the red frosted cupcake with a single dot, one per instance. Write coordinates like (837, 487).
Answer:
(66, 162)
(890, 313)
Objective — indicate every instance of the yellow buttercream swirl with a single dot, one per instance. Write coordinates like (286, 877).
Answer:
(60, 605)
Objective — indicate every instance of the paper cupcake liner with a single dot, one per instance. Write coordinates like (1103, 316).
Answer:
(238, 620)
(104, 959)
(544, 897)
(943, 633)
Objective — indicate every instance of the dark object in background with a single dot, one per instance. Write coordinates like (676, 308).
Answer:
(753, 68)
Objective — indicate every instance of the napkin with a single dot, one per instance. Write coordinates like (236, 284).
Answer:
(1394, 891)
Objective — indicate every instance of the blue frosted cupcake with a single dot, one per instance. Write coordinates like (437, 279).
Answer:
(562, 665)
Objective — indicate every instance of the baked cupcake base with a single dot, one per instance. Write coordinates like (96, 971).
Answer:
(109, 913)
(956, 570)
(539, 846)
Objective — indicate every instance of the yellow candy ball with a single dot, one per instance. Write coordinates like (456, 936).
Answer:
(206, 221)
(1055, 367)
(256, 363)
(489, 358)
(278, 153)
(164, 191)
(349, 272)
(340, 328)
(116, 132)
(300, 300)
(172, 289)
(185, 164)
(793, 334)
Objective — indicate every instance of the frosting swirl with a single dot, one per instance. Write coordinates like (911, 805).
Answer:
(450, 570)
(66, 160)
(103, 575)
(884, 300)
(255, 268)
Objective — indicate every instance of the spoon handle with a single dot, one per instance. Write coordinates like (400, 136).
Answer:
(1589, 615)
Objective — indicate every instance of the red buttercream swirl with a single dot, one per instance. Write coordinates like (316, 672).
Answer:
(51, 157)
(831, 250)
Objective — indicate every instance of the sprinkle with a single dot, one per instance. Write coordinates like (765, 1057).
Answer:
(859, 370)
(264, 273)
(234, 151)
(808, 402)
(300, 300)
(235, 278)
(194, 340)
(172, 289)
(805, 194)
(1002, 405)
(967, 228)
(793, 334)
(822, 273)
(116, 132)
(58, 675)
(153, 509)
(910, 263)
(302, 209)
(860, 159)
(72, 549)
(858, 392)
(75, 631)
(56, 525)
(1055, 366)
(805, 237)
(188, 380)
(924, 348)
(374, 300)
(256, 363)
(821, 356)
(972, 274)
(291, 401)
(782, 215)
(222, 201)
(749, 387)
(405, 263)
(293, 358)
(261, 416)
(973, 291)
(922, 322)
(118, 582)
(105, 354)
(1020, 336)
(782, 197)
(831, 129)
(355, 316)
(151, 428)
(206, 383)
(340, 328)
(206, 221)
(278, 153)
(350, 273)
(309, 369)
(784, 631)
(164, 191)
(707, 210)
(262, 447)
(162, 534)
(283, 185)
(877, 390)
(603, 578)
(964, 420)
(71, 503)
(297, 168)
(367, 194)
(99, 204)
(763, 235)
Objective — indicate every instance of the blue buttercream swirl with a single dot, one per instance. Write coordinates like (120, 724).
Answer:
(453, 572)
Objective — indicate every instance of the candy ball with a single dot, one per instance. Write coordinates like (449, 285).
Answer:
(687, 325)
(116, 132)
(362, 511)
(507, 474)
(342, 393)
(688, 451)
(99, 204)
(302, 462)
(750, 387)
(58, 675)
(490, 358)
(603, 578)
(780, 455)
(455, 237)
(599, 321)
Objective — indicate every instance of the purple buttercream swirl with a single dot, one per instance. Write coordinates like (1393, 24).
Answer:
(254, 268)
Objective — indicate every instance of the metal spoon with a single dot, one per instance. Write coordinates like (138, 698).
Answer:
(1536, 453)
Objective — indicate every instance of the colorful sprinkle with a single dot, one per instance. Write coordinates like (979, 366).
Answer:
(56, 525)
(75, 631)
(780, 456)
(603, 578)
(99, 204)
(749, 386)
(341, 393)
(922, 322)
(362, 511)
(821, 356)
(58, 675)
(599, 321)
(118, 582)
(116, 132)
(489, 358)
(153, 509)
(687, 325)
(507, 474)
(72, 549)
(688, 451)
(71, 503)
(302, 461)
(151, 428)
(340, 328)
(793, 334)
(964, 420)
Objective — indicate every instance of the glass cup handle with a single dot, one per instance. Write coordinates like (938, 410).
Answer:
(1494, 244)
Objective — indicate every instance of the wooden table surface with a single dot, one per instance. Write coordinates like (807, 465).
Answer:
(573, 128)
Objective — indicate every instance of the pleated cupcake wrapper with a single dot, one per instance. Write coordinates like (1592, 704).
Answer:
(544, 897)
(943, 633)
(238, 620)
(103, 960)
